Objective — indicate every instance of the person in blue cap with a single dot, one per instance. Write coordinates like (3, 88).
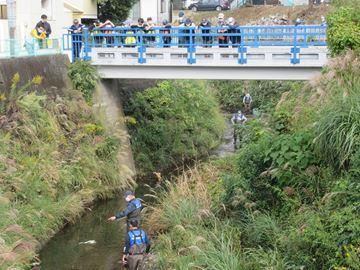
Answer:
(132, 210)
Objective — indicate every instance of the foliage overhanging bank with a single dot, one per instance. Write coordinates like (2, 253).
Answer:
(55, 159)
(172, 124)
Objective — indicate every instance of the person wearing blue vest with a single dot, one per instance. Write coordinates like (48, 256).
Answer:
(137, 244)
(132, 210)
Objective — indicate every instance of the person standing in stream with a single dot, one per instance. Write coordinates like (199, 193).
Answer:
(132, 210)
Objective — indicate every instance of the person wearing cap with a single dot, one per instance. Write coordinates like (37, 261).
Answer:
(205, 30)
(76, 36)
(189, 29)
(233, 29)
(132, 210)
(223, 39)
(137, 245)
(247, 101)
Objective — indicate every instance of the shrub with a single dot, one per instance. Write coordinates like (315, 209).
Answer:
(344, 28)
(84, 78)
(176, 121)
(338, 132)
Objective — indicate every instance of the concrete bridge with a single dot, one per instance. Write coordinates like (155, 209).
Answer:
(241, 53)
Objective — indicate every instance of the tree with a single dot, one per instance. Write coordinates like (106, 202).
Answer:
(114, 10)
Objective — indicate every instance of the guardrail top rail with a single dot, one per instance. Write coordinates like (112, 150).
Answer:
(193, 37)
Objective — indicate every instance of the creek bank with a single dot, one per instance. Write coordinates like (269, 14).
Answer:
(56, 159)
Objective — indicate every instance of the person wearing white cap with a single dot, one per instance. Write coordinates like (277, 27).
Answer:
(234, 30)
(223, 39)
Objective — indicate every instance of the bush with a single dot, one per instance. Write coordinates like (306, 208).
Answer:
(338, 132)
(344, 28)
(176, 122)
(84, 78)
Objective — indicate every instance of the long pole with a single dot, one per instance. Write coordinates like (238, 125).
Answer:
(11, 12)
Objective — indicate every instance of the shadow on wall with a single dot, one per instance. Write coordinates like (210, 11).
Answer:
(52, 68)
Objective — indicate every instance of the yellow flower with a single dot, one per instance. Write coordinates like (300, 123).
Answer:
(37, 80)
(2, 97)
(16, 79)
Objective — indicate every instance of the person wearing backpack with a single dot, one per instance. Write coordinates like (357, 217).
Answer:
(247, 101)
(137, 244)
(238, 120)
(132, 210)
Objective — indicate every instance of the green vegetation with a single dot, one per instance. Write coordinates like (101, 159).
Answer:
(173, 123)
(265, 93)
(288, 199)
(55, 159)
(115, 10)
(84, 78)
(344, 26)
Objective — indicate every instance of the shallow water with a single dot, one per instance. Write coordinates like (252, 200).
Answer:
(63, 251)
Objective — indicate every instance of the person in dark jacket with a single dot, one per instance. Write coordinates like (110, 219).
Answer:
(205, 30)
(76, 36)
(43, 27)
(189, 30)
(132, 210)
(137, 244)
(234, 30)
(166, 33)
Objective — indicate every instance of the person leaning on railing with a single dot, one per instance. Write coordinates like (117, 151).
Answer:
(223, 39)
(166, 33)
(76, 37)
(205, 26)
(234, 30)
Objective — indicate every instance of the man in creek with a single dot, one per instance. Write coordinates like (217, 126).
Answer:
(247, 101)
(238, 121)
(132, 210)
(137, 244)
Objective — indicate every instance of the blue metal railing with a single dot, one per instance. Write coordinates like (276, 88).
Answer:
(194, 37)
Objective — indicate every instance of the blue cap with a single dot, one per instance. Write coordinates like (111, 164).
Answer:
(128, 192)
(181, 13)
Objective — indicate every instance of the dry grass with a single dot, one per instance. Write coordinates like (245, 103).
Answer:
(248, 15)
(192, 186)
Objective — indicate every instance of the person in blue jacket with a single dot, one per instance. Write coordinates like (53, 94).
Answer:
(76, 35)
(137, 244)
(132, 210)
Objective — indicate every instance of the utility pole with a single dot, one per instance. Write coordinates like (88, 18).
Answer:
(11, 12)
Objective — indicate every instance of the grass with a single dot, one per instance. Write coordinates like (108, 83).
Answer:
(55, 160)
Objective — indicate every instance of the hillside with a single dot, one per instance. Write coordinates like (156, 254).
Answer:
(253, 15)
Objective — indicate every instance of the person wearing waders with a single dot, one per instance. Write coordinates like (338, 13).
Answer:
(132, 210)
(137, 244)
(247, 101)
(238, 120)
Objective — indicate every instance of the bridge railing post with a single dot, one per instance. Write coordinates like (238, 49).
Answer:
(191, 47)
(295, 50)
(141, 48)
(242, 49)
(87, 47)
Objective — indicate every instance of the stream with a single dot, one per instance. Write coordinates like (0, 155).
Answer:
(64, 251)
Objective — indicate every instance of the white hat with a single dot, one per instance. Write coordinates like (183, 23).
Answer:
(231, 20)
(221, 16)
